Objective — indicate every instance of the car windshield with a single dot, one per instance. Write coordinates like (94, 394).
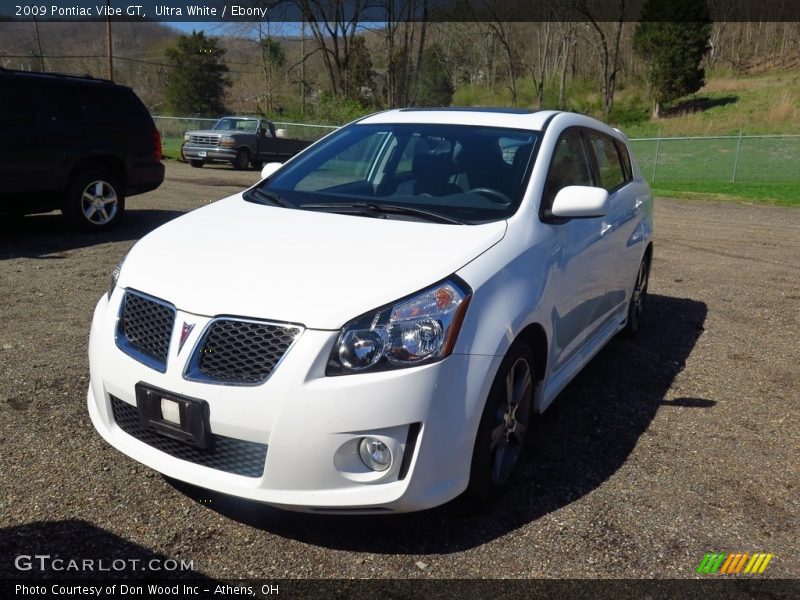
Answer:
(462, 174)
(229, 124)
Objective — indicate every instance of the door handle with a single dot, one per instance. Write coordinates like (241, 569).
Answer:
(605, 229)
(638, 203)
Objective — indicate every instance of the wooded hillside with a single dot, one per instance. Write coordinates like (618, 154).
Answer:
(333, 74)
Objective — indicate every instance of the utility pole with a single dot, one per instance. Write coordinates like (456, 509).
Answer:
(303, 67)
(38, 43)
(109, 49)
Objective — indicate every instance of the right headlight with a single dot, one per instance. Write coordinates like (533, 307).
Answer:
(115, 276)
(416, 330)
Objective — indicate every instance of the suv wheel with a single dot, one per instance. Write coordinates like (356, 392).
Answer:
(95, 200)
(196, 163)
(242, 160)
(504, 425)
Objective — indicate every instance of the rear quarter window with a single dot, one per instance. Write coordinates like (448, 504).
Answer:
(626, 159)
(112, 106)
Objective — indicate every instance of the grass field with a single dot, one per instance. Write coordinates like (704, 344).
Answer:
(171, 147)
(782, 193)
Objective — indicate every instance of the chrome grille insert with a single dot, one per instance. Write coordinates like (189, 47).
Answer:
(211, 141)
(240, 351)
(144, 329)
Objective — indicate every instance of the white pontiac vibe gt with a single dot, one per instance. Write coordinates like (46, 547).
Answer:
(372, 326)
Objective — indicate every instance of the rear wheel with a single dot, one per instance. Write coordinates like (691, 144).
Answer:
(95, 200)
(504, 424)
(196, 163)
(638, 298)
(242, 160)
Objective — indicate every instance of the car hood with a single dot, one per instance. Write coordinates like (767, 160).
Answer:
(209, 132)
(319, 269)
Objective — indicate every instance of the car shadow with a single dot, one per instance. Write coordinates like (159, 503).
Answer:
(48, 235)
(579, 443)
(109, 556)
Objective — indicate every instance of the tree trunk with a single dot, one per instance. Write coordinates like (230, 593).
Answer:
(563, 83)
(656, 109)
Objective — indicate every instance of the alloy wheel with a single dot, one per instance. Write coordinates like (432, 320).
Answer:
(99, 202)
(511, 421)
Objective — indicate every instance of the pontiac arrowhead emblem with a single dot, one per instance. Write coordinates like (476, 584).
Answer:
(185, 331)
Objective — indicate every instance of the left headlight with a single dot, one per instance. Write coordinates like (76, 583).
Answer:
(419, 329)
(115, 276)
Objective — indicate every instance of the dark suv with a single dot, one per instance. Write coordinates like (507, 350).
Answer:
(74, 143)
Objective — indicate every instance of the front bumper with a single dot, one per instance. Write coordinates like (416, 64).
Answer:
(207, 154)
(310, 423)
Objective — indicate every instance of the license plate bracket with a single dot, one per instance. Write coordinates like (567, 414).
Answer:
(193, 427)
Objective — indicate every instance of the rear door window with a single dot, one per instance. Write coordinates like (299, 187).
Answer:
(609, 166)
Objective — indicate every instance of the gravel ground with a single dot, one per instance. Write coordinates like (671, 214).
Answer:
(680, 442)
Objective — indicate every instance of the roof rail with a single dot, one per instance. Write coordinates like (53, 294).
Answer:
(85, 76)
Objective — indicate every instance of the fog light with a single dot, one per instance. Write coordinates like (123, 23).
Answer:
(375, 454)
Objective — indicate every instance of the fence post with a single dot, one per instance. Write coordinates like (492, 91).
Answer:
(736, 160)
(655, 161)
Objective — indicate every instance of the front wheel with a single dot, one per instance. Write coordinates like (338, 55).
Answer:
(242, 160)
(638, 298)
(95, 200)
(504, 424)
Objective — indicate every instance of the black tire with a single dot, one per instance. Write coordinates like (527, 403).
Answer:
(257, 164)
(242, 160)
(95, 200)
(196, 163)
(504, 425)
(638, 299)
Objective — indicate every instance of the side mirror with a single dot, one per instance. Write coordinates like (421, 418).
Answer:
(269, 169)
(580, 202)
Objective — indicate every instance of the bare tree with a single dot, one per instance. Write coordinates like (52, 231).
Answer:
(333, 25)
(607, 44)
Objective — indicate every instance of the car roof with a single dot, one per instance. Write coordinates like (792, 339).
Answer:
(512, 118)
(486, 117)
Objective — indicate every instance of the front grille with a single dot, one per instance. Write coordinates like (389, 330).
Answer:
(210, 141)
(240, 352)
(227, 454)
(145, 328)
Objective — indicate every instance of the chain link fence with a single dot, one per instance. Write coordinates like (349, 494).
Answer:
(742, 158)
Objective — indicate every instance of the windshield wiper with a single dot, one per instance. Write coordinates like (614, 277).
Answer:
(372, 209)
(272, 197)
